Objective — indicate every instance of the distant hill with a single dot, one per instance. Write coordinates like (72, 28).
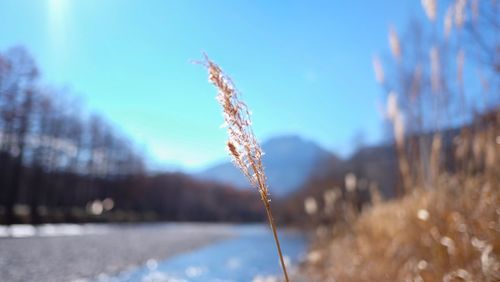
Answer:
(289, 161)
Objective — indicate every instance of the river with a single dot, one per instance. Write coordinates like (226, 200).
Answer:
(250, 256)
(170, 252)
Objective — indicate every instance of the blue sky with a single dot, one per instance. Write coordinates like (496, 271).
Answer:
(304, 67)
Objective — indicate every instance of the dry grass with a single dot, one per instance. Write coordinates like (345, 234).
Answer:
(242, 145)
(450, 232)
(446, 227)
(426, 236)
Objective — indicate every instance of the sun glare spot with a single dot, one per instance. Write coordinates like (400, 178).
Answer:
(56, 9)
(57, 14)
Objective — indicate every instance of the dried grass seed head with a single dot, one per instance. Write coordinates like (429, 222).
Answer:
(448, 21)
(394, 43)
(430, 8)
(242, 145)
(378, 69)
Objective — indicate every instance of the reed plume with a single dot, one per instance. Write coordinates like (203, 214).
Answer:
(430, 8)
(242, 145)
(379, 70)
(448, 22)
(394, 43)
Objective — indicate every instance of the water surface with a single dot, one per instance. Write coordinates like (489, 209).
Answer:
(249, 255)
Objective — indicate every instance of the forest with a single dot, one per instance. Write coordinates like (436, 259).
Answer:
(61, 164)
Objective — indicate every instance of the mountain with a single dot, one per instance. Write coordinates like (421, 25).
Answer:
(288, 161)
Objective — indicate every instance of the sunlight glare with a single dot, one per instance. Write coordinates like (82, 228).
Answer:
(57, 12)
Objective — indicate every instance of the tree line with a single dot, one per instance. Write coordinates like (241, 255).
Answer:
(58, 164)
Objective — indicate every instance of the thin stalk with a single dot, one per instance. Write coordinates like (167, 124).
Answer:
(275, 233)
(267, 205)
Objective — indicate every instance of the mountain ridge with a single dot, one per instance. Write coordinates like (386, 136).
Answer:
(289, 161)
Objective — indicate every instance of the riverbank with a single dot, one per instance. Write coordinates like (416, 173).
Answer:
(105, 250)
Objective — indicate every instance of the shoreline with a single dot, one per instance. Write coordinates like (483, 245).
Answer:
(111, 250)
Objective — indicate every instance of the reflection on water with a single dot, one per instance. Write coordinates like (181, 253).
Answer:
(251, 254)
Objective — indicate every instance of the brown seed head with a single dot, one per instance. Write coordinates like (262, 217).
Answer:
(242, 145)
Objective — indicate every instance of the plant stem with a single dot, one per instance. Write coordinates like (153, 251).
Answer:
(275, 233)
